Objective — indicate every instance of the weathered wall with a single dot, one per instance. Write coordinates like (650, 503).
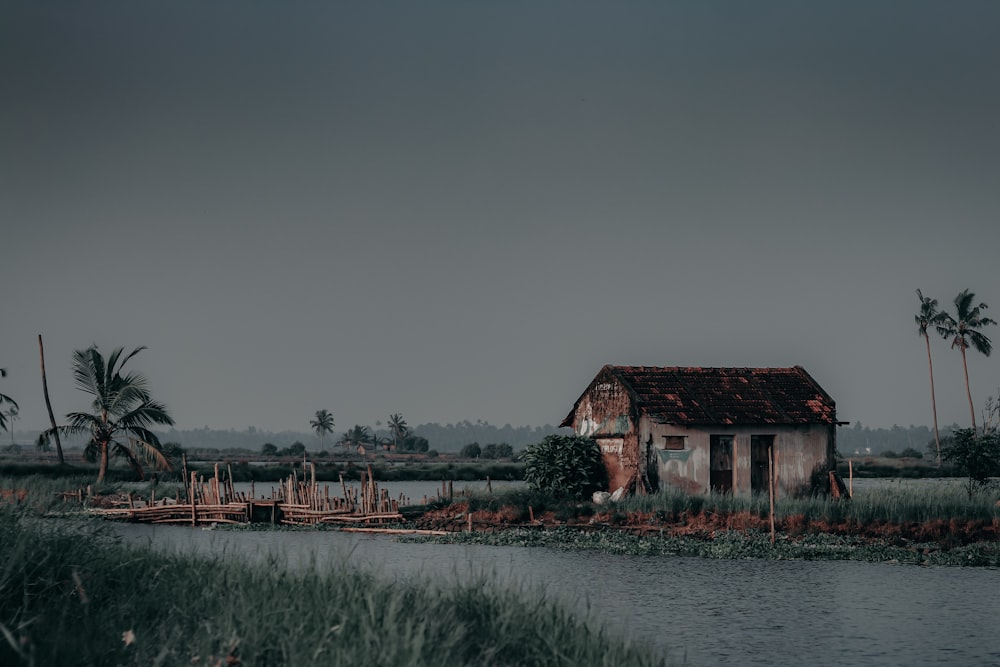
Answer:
(797, 452)
(605, 414)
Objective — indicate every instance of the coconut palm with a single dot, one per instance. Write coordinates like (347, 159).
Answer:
(122, 412)
(357, 436)
(323, 424)
(4, 398)
(929, 315)
(398, 428)
(964, 332)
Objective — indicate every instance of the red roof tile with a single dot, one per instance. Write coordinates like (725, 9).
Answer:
(738, 396)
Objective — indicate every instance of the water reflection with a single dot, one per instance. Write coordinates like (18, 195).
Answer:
(709, 612)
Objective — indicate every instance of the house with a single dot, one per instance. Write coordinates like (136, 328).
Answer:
(708, 429)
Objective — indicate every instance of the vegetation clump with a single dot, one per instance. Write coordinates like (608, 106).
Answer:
(69, 596)
(565, 465)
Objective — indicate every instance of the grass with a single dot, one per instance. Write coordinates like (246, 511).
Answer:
(74, 596)
(889, 503)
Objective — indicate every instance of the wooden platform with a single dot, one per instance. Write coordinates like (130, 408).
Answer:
(295, 502)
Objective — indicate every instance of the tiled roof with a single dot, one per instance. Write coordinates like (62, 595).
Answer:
(738, 396)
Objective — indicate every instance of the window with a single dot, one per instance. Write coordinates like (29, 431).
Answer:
(674, 442)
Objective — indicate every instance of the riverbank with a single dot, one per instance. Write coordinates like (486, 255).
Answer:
(71, 595)
(931, 526)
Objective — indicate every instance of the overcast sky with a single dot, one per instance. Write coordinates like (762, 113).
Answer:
(462, 210)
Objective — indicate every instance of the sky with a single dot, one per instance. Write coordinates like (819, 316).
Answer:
(463, 210)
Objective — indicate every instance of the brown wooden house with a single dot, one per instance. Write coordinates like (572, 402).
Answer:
(708, 429)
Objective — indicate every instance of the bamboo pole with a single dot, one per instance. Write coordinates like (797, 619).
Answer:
(850, 478)
(194, 512)
(770, 485)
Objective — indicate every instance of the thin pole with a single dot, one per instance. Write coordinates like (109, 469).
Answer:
(770, 484)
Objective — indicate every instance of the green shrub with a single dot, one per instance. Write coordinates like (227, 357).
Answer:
(566, 466)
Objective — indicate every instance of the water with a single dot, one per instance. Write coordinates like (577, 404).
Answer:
(707, 612)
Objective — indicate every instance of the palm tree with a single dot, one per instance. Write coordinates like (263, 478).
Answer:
(4, 398)
(323, 424)
(964, 332)
(929, 315)
(357, 436)
(122, 412)
(398, 428)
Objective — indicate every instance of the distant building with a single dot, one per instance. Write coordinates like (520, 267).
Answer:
(708, 429)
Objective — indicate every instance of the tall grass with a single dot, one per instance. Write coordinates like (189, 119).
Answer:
(70, 596)
(889, 504)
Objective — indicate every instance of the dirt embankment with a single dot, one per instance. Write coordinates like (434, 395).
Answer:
(704, 525)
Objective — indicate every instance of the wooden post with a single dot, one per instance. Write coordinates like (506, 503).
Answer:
(470, 520)
(451, 489)
(531, 514)
(184, 467)
(194, 512)
(770, 484)
(850, 478)
(489, 487)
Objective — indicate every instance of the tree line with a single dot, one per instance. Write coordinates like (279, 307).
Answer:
(975, 451)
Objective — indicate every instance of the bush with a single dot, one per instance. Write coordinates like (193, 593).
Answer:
(978, 457)
(911, 453)
(566, 466)
(471, 451)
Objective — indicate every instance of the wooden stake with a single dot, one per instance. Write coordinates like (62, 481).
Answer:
(770, 484)
(850, 477)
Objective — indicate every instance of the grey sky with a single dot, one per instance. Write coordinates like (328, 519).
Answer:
(463, 210)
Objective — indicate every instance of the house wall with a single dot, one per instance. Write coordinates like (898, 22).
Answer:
(604, 413)
(798, 451)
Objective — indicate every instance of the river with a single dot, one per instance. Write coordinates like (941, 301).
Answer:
(699, 611)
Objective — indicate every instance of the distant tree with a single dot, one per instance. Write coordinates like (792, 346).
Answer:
(929, 315)
(4, 398)
(964, 332)
(398, 429)
(122, 412)
(505, 451)
(490, 451)
(432, 454)
(323, 454)
(911, 453)
(268, 450)
(295, 449)
(890, 454)
(323, 424)
(978, 457)
(415, 443)
(471, 451)
(357, 436)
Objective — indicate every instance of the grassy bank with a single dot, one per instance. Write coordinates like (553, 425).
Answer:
(736, 545)
(69, 596)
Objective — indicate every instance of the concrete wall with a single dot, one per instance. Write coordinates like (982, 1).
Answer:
(605, 414)
(798, 451)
